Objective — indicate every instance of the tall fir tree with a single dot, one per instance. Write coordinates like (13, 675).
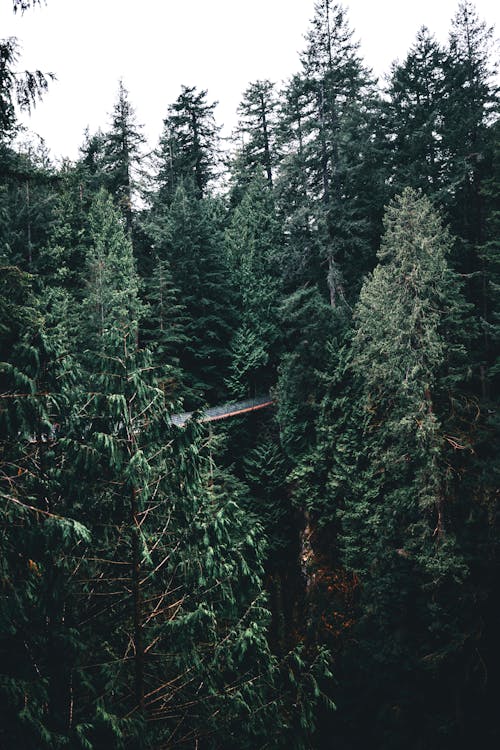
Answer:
(254, 246)
(189, 147)
(175, 610)
(403, 533)
(415, 117)
(256, 135)
(21, 90)
(330, 110)
(471, 103)
(122, 151)
(190, 239)
(42, 539)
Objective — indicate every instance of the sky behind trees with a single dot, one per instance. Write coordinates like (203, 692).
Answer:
(220, 45)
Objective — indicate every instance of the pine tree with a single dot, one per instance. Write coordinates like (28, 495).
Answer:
(188, 148)
(301, 262)
(163, 329)
(401, 526)
(254, 246)
(123, 144)
(113, 285)
(308, 324)
(256, 131)
(190, 241)
(63, 255)
(176, 574)
(415, 117)
(17, 89)
(90, 165)
(27, 197)
(470, 104)
(329, 114)
(490, 257)
(41, 537)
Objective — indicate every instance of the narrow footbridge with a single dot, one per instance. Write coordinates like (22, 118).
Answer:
(224, 411)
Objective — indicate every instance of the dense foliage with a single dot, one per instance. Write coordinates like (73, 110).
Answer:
(321, 574)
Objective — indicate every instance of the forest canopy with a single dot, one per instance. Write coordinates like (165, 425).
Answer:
(322, 571)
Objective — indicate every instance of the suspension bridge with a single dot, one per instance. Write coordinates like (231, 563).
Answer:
(224, 411)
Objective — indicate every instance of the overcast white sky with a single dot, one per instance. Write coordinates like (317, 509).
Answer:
(220, 45)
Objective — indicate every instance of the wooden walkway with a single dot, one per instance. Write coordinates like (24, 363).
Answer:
(224, 411)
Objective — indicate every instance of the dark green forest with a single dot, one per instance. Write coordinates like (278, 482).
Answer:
(322, 573)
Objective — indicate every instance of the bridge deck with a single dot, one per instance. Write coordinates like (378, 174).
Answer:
(224, 411)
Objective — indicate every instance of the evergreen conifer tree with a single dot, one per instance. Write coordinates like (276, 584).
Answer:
(401, 526)
(254, 246)
(191, 241)
(328, 112)
(188, 150)
(257, 125)
(42, 539)
(470, 103)
(121, 155)
(174, 613)
(415, 117)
